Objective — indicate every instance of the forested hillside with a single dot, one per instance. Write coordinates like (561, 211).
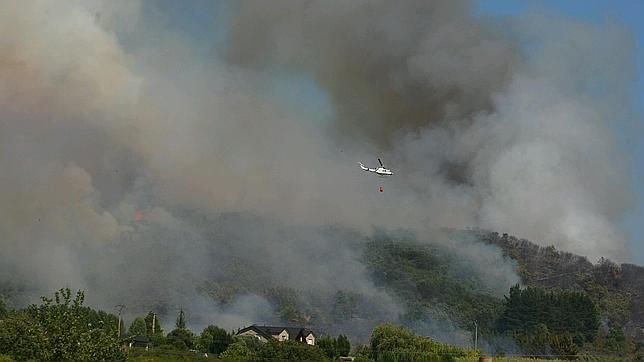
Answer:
(560, 304)
(571, 306)
(421, 276)
(617, 289)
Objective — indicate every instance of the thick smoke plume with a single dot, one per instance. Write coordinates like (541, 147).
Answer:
(491, 138)
(139, 169)
(386, 67)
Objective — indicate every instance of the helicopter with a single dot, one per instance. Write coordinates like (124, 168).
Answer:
(380, 171)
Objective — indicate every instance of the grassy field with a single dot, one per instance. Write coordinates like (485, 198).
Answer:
(509, 359)
(525, 359)
(158, 354)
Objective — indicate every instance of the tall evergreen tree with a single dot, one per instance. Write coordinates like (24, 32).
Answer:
(342, 346)
(181, 320)
(3, 308)
(327, 344)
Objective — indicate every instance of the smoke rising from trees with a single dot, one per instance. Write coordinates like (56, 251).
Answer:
(138, 169)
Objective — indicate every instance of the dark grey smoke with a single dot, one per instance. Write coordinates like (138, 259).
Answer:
(388, 67)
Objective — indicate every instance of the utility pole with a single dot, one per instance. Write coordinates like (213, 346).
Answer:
(120, 308)
(476, 335)
(154, 317)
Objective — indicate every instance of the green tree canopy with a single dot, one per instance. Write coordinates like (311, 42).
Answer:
(60, 329)
(3, 308)
(327, 345)
(180, 338)
(290, 351)
(342, 346)
(345, 306)
(138, 327)
(151, 319)
(214, 340)
(237, 351)
(541, 321)
(391, 342)
(562, 312)
(334, 347)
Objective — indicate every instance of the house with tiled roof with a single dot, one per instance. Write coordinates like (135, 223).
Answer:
(266, 333)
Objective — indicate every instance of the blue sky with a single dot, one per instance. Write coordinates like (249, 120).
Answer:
(629, 14)
(202, 14)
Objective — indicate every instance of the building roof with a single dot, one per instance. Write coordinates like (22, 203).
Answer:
(270, 331)
(257, 330)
